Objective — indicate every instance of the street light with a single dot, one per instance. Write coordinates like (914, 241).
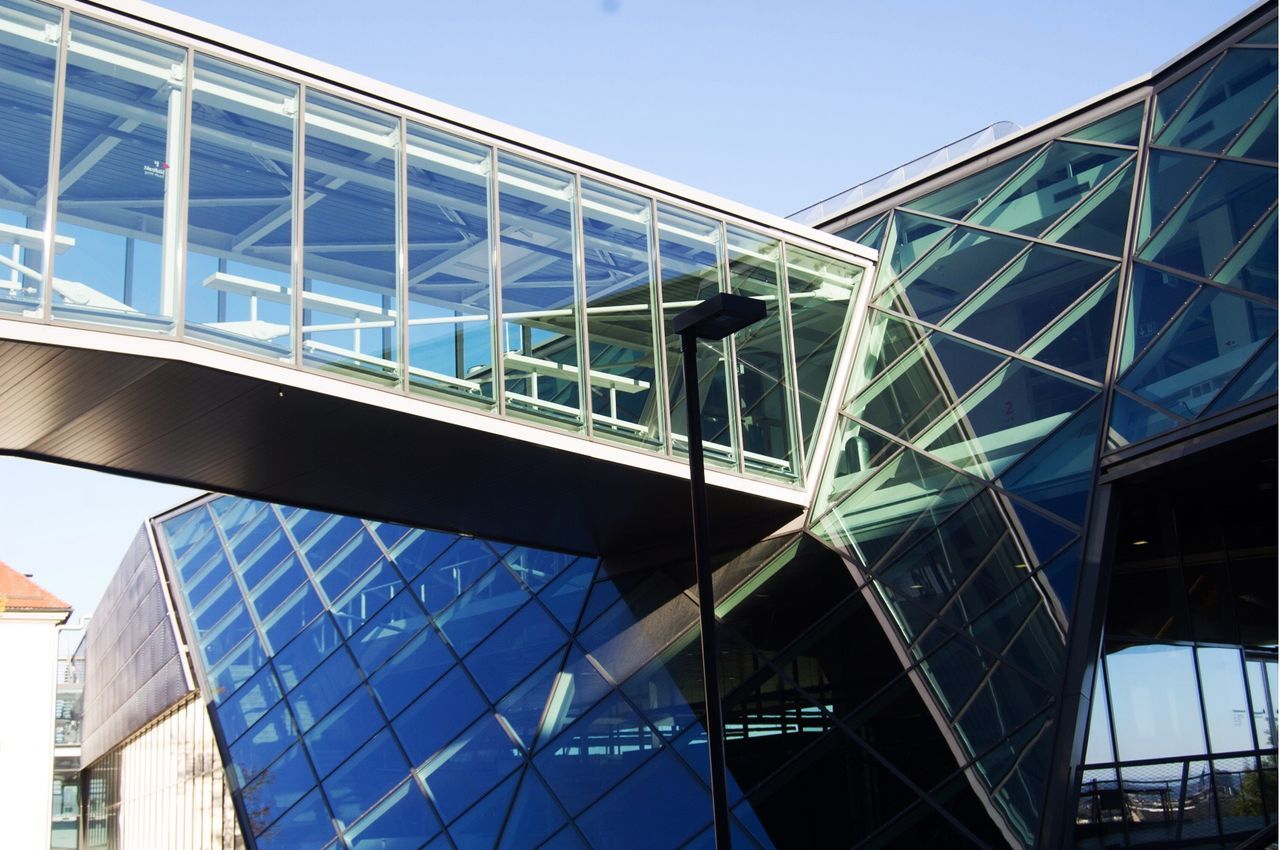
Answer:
(713, 319)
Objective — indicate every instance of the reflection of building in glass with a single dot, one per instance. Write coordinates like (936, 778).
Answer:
(68, 713)
(995, 477)
(30, 617)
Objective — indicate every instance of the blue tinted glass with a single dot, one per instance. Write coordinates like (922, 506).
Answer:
(303, 523)
(321, 690)
(249, 703)
(329, 538)
(359, 783)
(264, 559)
(1154, 297)
(308, 824)
(411, 671)
(625, 819)
(343, 730)
(514, 650)
(468, 767)
(403, 819)
(212, 573)
(367, 596)
(1253, 266)
(1258, 379)
(565, 839)
(1081, 340)
(1229, 97)
(910, 238)
(534, 816)
(1058, 474)
(262, 744)
(535, 702)
(477, 612)
(279, 786)
(453, 572)
(300, 608)
(273, 591)
(419, 548)
(564, 596)
(1132, 421)
(215, 606)
(390, 533)
(232, 629)
(347, 564)
(233, 671)
(387, 631)
(1099, 223)
(961, 263)
(438, 715)
(537, 566)
(479, 826)
(197, 555)
(594, 753)
(254, 535)
(1122, 128)
(957, 199)
(308, 649)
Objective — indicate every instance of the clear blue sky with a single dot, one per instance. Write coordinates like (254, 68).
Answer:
(774, 105)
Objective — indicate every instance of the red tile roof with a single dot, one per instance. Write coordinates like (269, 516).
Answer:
(19, 593)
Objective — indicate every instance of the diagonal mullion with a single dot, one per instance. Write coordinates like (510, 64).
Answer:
(1244, 367)
(1114, 176)
(1240, 246)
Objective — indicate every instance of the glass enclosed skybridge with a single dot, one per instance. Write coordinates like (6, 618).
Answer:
(181, 200)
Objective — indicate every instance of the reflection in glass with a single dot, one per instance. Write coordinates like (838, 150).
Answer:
(121, 139)
(240, 215)
(1155, 702)
(349, 311)
(540, 357)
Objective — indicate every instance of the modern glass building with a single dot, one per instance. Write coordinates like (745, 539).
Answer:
(994, 482)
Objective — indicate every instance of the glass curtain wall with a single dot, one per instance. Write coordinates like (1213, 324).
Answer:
(199, 195)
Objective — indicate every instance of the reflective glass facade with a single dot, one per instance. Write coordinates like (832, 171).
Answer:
(169, 190)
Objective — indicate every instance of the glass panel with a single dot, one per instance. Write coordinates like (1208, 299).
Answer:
(691, 272)
(1214, 218)
(403, 818)
(1253, 266)
(1098, 748)
(1081, 340)
(479, 826)
(1099, 223)
(1155, 702)
(953, 271)
(1172, 97)
(537, 567)
(349, 311)
(239, 289)
(366, 597)
(624, 819)
(866, 233)
(1203, 348)
(1226, 708)
(453, 572)
(244, 661)
(468, 767)
(278, 788)
(345, 729)
(321, 691)
(534, 816)
(297, 611)
(1026, 296)
(1154, 297)
(1058, 474)
(477, 612)
(764, 391)
(27, 60)
(910, 238)
(1003, 418)
(956, 200)
(307, 650)
(436, 718)
(1262, 695)
(1122, 128)
(1237, 86)
(411, 671)
(539, 290)
(514, 650)
(248, 705)
(308, 824)
(1258, 141)
(122, 138)
(365, 777)
(1258, 379)
(617, 228)
(1048, 187)
(821, 293)
(387, 631)
(450, 276)
(260, 746)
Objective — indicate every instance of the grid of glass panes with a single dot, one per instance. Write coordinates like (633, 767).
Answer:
(194, 194)
(988, 374)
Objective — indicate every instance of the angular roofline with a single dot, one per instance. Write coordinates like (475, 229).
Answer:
(39, 599)
(161, 22)
(1014, 139)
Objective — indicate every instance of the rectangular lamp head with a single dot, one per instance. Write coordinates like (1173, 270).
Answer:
(719, 316)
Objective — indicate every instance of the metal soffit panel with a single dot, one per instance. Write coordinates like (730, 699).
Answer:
(218, 430)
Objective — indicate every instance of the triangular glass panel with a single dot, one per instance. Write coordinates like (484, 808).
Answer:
(1132, 422)
(564, 596)
(1122, 128)
(1169, 99)
(910, 238)
(466, 769)
(884, 338)
(1169, 178)
(402, 816)
(922, 384)
(1060, 575)
(1266, 35)
(1048, 187)
(537, 566)
(522, 710)
(1256, 380)
(1232, 94)
(470, 619)
(866, 232)
(953, 271)
(1100, 222)
(479, 826)
(1214, 218)
(1081, 340)
(1253, 266)
(1154, 296)
(1258, 141)
(574, 690)
(957, 199)
(998, 422)
(910, 492)
(565, 839)
(1030, 293)
(1058, 474)
(1039, 538)
(1000, 759)
(534, 815)
(1200, 350)
(955, 669)
(856, 452)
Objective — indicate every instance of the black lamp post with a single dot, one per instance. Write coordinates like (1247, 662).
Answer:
(715, 318)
